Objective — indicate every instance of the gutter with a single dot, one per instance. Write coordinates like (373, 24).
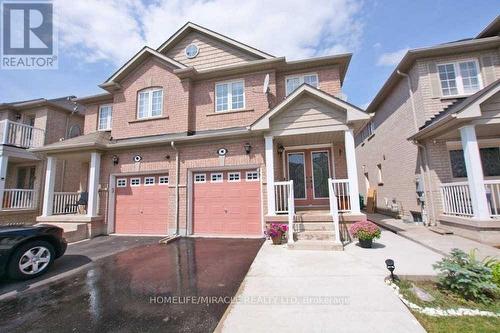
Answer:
(172, 144)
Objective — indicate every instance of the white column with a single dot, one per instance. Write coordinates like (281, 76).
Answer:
(94, 174)
(4, 160)
(352, 170)
(474, 169)
(48, 192)
(271, 206)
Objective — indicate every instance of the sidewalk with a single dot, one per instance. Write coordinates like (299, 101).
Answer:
(439, 243)
(279, 291)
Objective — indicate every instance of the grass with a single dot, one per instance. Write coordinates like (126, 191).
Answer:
(447, 300)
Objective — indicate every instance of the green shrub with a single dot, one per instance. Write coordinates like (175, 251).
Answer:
(495, 270)
(466, 276)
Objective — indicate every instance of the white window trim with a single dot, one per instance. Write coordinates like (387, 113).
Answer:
(200, 181)
(301, 80)
(163, 177)
(149, 178)
(108, 120)
(217, 174)
(252, 180)
(458, 77)
(119, 180)
(229, 95)
(135, 185)
(149, 112)
(234, 180)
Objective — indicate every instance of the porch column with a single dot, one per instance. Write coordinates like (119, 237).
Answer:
(271, 206)
(4, 160)
(474, 169)
(94, 174)
(48, 192)
(352, 170)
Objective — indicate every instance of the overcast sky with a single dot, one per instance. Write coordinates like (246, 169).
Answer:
(97, 36)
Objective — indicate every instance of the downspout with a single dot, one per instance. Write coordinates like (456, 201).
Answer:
(172, 144)
(423, 155)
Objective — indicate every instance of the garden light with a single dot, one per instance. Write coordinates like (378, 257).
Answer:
(390, 266)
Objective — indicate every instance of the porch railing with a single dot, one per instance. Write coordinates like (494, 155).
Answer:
(334, 207)
(493, 196)
(21, 135)
(284, 200)
(19, 199)
(65, 203)
(456, 199)
(340, 188)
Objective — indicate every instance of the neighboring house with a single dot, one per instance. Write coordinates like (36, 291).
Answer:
(33, 124)
(432, 147)
(201, 136)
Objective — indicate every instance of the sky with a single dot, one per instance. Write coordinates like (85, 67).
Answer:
(96, 37)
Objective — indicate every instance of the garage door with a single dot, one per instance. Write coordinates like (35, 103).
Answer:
(141, 205)
(227, 203)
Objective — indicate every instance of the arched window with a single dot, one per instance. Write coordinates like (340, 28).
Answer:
(75, 131)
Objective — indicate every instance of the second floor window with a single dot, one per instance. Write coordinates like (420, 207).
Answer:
(150, 103)
(459, 78)
(229, 96)
(105, 116)
(293, 82)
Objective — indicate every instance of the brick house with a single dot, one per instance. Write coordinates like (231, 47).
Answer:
(32, 124)
(431, 149)
(208, 136)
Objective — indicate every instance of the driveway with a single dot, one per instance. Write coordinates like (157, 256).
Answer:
(315, 291)
(181, 287)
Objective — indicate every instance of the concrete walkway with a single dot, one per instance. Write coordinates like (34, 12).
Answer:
(281, 284)
(439, 243)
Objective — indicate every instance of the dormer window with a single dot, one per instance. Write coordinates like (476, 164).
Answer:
(150, 103)
(294, 81)
(105, 117)
(459, 78)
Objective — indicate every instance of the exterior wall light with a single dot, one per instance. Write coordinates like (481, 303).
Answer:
(248, 148)
(281, 149)
(116, 159)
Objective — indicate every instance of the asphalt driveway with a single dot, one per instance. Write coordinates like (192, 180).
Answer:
(183, 287)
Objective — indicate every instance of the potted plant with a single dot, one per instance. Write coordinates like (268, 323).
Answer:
(365, 232)
(275, 231)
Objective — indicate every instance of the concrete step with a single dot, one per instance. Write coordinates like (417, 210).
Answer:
(315, 235)
(316, 245)
(313, 226)
(311, 218)
(73, 232)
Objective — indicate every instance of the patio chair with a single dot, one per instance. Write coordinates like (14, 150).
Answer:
(82, 201)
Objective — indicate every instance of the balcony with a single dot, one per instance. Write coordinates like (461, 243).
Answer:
(21, 135)
(17, 199)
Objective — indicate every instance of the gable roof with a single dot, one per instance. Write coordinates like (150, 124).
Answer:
(190, 26)
(65, 103)
(492, 29)
(353, 112)
(138, 58)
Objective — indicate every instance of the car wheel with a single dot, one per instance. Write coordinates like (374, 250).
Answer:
(31, 260)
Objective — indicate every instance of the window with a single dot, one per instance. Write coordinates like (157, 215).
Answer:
(163, 180)
(379, 170)
(135, 182)
(121, 182)
(74, 131)
(216, 177)
(150, 103)
(460, 78)
(105, 112)
(148, 181)
(229, 96)
(252, 176)
(367, 131)
(200, 178)
(293, 82)
(490, 160)
(233, 176)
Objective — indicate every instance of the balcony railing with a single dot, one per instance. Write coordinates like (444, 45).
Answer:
(493, 196)
(457, 198)
(65, 203)
(21, 135)
(18, 199)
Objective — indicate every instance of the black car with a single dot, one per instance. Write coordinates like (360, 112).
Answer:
(28, 251)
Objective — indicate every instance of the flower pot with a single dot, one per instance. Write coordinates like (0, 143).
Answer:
(366, 243)
(277, 239)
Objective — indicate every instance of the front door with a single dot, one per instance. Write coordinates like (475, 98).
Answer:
(310, 169)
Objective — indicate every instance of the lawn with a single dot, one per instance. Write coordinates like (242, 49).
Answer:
(446, 300)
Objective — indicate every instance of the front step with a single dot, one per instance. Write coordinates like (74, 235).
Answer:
(316, 245)
(315, 235)
(73, 232)
(313, 226)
